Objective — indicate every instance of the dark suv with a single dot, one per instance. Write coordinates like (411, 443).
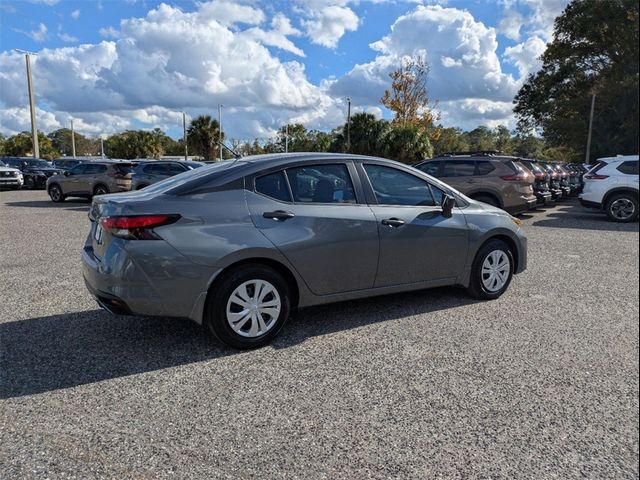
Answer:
(35, 171)
(541, 183)
(489, 177)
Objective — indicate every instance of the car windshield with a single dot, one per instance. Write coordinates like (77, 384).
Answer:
(193, 165)
(36, 163)
(2, 164)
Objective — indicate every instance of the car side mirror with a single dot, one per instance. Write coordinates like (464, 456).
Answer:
(448, 202)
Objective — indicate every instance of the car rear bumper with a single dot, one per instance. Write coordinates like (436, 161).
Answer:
(527, 203)
(127, 282)
(543, 196)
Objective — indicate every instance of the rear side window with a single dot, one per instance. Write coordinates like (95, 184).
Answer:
(92, 169)
(599, 166)
(395, 187)
(629, 168)
(463, 168)
(430, 168)
(321, 184)
(274, 186)
(485, 167)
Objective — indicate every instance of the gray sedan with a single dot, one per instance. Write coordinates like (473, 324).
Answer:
(236, 245)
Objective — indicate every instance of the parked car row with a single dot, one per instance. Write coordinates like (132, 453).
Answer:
(511, 183)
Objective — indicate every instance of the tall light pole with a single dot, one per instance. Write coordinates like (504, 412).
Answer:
(101, 146)
(32, 103)
(348, 123)
(220, 128)
(184, 136)
(73, 141)
(593, 104)
(286, 138)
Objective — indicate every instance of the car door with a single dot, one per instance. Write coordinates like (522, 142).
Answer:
(417, 243)
(72, 177)
(460, 174)
(628, 174)
(315, 217)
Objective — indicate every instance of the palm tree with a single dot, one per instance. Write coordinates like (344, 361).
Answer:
(203, 135)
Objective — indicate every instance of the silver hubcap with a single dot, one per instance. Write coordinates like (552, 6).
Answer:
(496, 269)
(623, 208)
(253, 308)
(55, 193)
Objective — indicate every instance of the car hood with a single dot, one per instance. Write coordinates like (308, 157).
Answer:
(48, 171)
(8, 169)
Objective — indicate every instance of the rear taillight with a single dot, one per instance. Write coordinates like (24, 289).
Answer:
(595, 176)
(539, 176)
(138, 227)
(516, 177)
(115, 175)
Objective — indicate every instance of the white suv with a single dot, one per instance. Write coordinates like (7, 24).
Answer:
(10, 177)
(612, 185)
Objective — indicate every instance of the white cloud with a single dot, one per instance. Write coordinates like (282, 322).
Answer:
(526, 56)
(44, 2)
(108, 32)
(39, 35)
(327, 26)
(65, 37)
(170, 61)
(465, 72)
(75, 14)
(510, 24)
(229, 13)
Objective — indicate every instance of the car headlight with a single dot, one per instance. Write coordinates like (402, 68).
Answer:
(517, 221)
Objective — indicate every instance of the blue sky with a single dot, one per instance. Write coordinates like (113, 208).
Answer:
(116, 64)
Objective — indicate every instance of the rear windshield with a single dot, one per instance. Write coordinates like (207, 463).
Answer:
(124, 169)
(207, 172)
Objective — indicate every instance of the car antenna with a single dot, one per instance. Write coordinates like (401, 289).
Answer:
(233, 152)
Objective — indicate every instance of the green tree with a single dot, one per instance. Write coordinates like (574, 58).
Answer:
(61, 141)
(203, 136)
(408, 144)
(134, 144)
(20, 145)
(366, 135)
(594, 50)
(450, 140)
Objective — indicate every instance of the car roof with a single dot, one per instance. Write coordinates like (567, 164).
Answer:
(619, 158)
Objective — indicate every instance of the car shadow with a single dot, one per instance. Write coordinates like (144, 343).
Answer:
(62, 351)
(76, 204)
(573, 215)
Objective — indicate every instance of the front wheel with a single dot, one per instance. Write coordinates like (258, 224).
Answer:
(55, 192)
(489, 200)
(100, 190)
(248, 306)
(622, 208)
(492, 270)
(29, 183)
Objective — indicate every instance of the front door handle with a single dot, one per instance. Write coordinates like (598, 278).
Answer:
(393, 222)
(279, 215)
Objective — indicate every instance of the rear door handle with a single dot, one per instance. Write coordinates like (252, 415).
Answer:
(279, 215)
(393, 222)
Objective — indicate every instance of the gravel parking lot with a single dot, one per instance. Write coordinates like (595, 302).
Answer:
(542, 383)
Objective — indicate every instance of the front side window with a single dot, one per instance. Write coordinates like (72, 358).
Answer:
(176, 168)
(321, 184)
(629, 167)
(274, 186)
(77, 170)
(460, 168)
(396, 187)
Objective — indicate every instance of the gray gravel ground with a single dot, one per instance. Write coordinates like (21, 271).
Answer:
(542, 383)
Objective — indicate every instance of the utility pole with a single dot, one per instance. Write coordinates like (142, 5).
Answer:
(220, 128)
(593, 104)
(348, 123)
(102, 147)
(184, 136)
(286, 138)
(32, 103)
(73, 141)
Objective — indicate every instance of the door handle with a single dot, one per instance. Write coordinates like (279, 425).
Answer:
(279, 215)
(471, 181)
(393, 222)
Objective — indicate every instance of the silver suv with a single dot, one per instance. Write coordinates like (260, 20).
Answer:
(91, 178)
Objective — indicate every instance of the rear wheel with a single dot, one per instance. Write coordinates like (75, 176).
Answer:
(29, 183)
(622, 208)
(100, 190)
(55, 192)
(248, 306)
(492, 270)
(488, 199)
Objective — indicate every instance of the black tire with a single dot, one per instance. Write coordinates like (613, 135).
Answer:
(622, 208)
(477, 287)
(216, 308)
(488, 199)
(100, 190)
(29, 183)
(55, 192)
